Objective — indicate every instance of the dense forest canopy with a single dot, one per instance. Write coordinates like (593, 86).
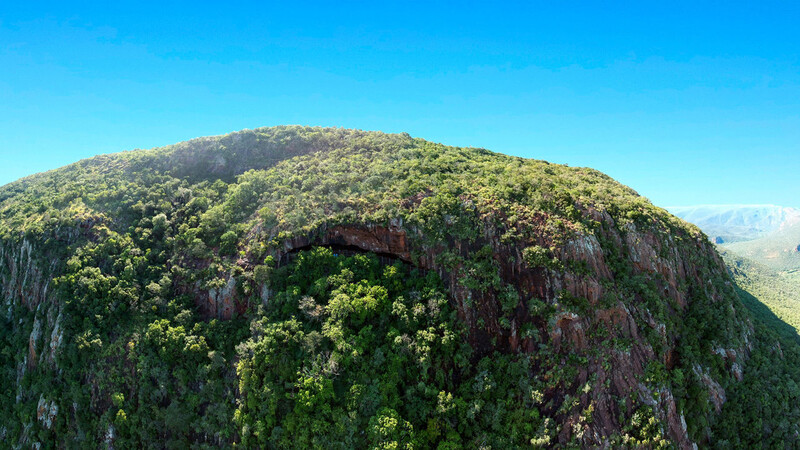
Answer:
(298, 286)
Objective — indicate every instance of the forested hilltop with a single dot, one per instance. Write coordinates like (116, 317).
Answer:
(297, 287)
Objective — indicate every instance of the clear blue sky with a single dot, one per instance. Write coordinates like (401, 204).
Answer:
(688, 103)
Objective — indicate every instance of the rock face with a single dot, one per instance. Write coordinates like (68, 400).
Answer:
(26, 284)
(46, 412)
(24, 280)
(391, 241)
(221, 302)
(615, 374)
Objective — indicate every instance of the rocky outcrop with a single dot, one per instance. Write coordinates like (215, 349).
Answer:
(221, 301)
(56, 338)
(33, 340)
(391, 240)
(34, 309)
(734, 357)
(24, 281)
(46, 412)
(389, 243)
(716, 394)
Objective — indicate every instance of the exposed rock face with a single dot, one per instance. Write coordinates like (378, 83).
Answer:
(24, 283)
(676, 422)
(108, 437)
(221, 301)
(598, 307)
(56, 338)
(23, 280)
(733, 358)
(737, 371)
(46, 412)
(391, 240)
(716, 392)
(33, 340)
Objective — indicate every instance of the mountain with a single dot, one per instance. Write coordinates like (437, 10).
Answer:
(734, 223)
(766, 234)
(298, 287)
(779, 250)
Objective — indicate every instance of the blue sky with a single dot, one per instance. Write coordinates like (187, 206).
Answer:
(688, 103)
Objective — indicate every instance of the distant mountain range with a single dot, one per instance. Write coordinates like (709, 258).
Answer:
(736, 223)
(779, 249)
(766, 234)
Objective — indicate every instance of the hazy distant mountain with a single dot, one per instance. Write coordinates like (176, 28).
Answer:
(779, 249)
(767, 234)
(734, 223)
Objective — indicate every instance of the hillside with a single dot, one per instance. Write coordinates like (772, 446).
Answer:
(735, 223)
(777, 291)
(328, 288)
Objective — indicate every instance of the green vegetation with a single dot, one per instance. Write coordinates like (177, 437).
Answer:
(780, 292)
(768, 395)
(149, 299)
(346, 345)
